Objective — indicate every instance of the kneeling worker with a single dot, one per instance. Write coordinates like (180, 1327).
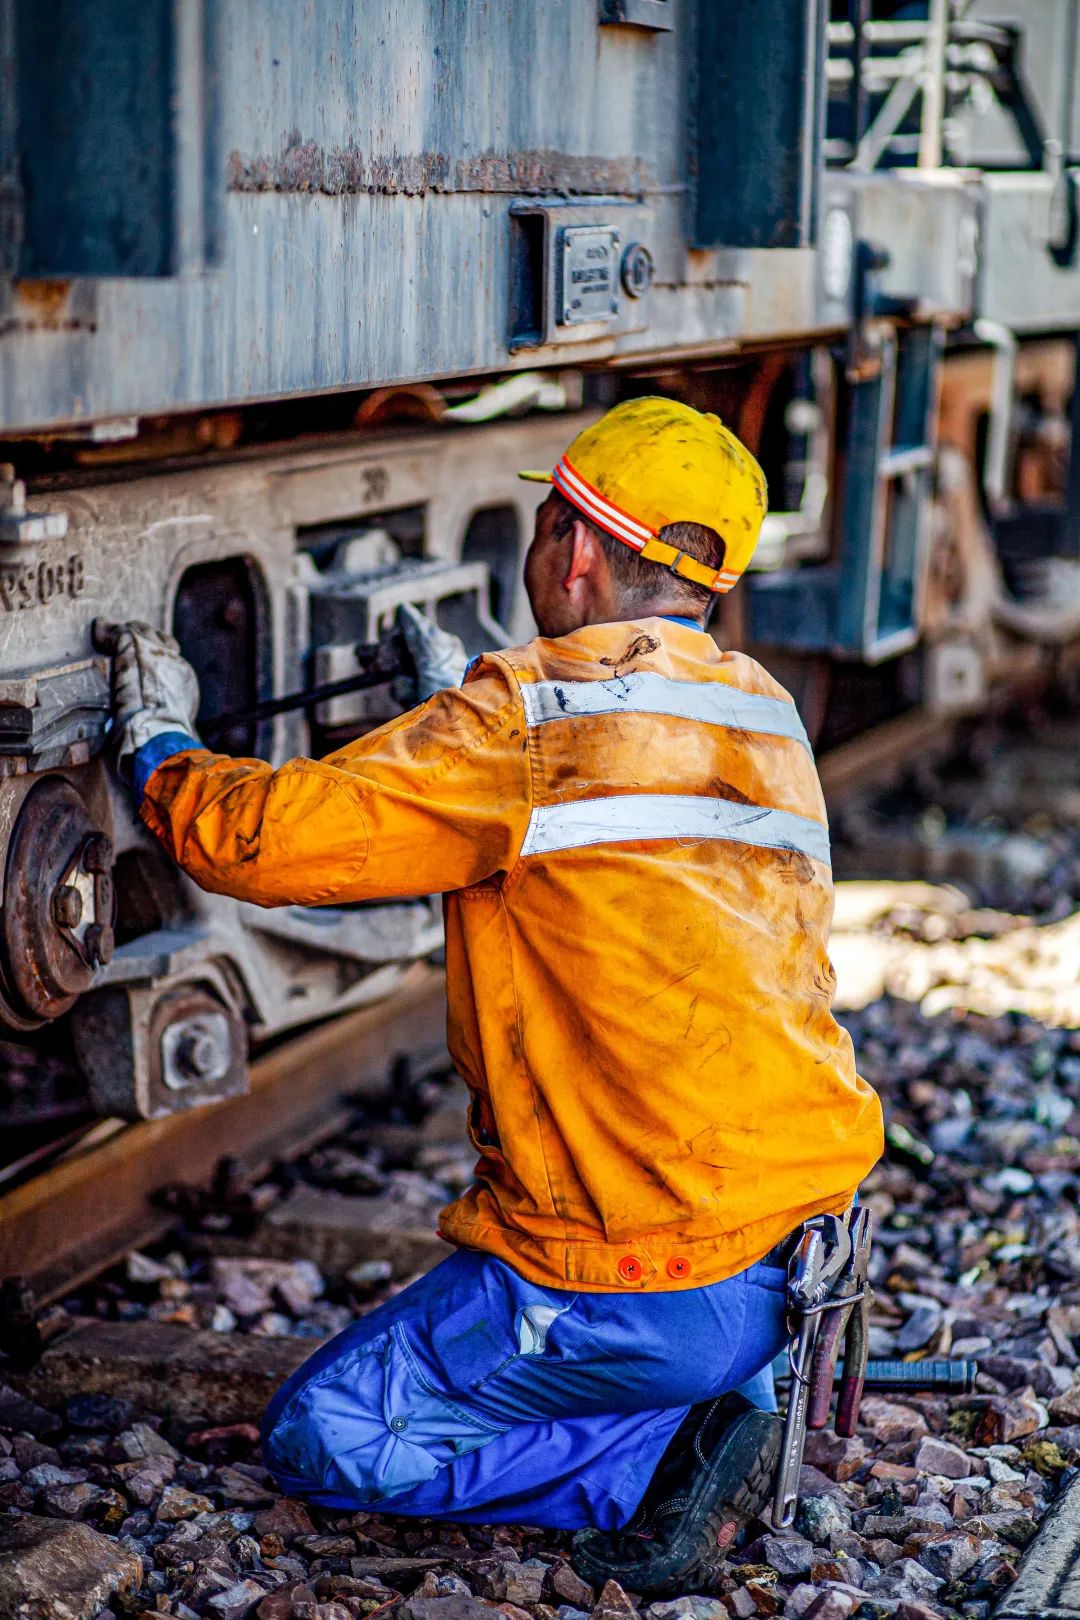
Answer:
(628, 828)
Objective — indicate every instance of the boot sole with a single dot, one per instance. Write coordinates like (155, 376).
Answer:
(750, 1450)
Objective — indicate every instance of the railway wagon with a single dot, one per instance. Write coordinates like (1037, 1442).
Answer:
(288, 291)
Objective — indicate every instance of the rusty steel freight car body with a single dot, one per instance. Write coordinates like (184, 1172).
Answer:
(288, 292)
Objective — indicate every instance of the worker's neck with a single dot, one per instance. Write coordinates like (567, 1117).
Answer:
(620, 613)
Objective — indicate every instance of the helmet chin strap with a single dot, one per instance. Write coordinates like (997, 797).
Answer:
(683, 566)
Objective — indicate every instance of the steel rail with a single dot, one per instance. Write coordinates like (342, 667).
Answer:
(1047, 1586)
(101, 1198)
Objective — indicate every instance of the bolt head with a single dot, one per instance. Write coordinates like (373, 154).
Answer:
(637, 270)
(67, 906)
(97, 853)
(196, 1053)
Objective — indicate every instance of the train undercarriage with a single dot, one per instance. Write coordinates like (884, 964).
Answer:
(289, 387)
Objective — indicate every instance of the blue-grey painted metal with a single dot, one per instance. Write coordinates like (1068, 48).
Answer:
(96, 140)
(367, 156)
(759, 119)
(384, 187)
(11, 203)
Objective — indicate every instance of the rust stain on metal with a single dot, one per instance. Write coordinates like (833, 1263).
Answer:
(42, 306)
(12, 326)
(43, 299)
(305, 166)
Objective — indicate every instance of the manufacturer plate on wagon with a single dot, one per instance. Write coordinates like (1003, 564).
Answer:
(590, 274)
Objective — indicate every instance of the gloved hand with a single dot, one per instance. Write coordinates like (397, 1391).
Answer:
(440, 658)
(154, 688)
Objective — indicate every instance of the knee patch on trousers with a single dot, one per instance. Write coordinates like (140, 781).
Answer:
(371, 1426)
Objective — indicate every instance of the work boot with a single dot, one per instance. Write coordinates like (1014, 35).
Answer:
(716, 1474)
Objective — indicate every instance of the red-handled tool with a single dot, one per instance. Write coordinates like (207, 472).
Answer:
(828, 1302)
(856, 1339)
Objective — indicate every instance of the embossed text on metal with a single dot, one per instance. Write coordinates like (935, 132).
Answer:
(590, 268)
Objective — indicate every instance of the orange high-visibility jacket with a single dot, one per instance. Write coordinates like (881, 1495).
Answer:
(629, 830)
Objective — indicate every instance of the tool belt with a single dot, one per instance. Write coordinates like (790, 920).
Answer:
(828, 1301)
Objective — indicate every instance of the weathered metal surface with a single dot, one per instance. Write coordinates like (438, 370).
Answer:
(114, 130)
(48, 962)
(653, 14)
(305, 166)
(367, 159)
(67, 1223)
(325, 154)
(11, 197)
(60, 717)
(1048, 1584)
(759, 117)
(149, 1051)
(927, 225)
(262, 566)
(1021, 282)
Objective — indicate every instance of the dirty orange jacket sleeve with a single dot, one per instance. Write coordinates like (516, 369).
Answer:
(436, 800)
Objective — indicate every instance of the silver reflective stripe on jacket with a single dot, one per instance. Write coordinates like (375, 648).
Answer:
(684, 817)
(708, 701)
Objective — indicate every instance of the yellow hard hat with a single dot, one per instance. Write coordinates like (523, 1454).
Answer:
(651, 462)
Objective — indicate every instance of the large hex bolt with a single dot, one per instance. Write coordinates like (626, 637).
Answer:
(197, 1054)
(197, 1049)
(97, 855)
(67, 906)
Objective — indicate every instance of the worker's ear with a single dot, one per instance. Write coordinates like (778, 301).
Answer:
(584, 552)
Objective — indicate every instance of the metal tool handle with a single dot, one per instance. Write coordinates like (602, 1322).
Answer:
(850, 1394)
(857, 1327)
(381, 670)
(830, 1333)
(909, 1377)
(786, 1490)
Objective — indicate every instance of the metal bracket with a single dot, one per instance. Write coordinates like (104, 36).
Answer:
(19, 526)
(655, 15)
(568, 267)
(867, 603)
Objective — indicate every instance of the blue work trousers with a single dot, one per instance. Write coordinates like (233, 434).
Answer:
(475, 1395)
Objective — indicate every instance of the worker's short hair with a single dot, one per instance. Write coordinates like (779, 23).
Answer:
(641, 581)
